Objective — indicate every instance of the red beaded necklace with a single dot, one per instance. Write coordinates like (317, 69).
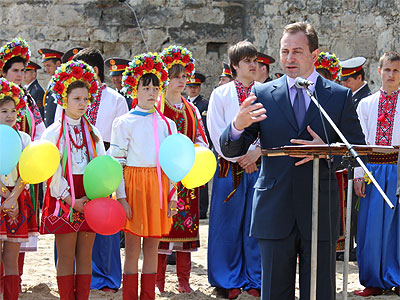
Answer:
(76, 130)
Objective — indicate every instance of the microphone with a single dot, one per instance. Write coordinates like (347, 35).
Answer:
(302, 83)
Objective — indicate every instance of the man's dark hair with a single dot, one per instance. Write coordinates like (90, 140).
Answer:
(92, 57)
(307, 29)
(389, 56)
(239, 51)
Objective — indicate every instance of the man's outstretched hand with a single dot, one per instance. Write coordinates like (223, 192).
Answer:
(249, 113)
(315, 141)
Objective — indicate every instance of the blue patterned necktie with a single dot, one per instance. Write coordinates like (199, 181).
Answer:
(299, 106)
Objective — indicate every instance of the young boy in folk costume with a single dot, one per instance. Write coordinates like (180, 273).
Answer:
(17, 218)
(14, 56)
(144, 191)
(184, 235)
(74, 85)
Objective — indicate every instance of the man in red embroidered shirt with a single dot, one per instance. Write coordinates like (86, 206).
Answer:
(378, 239)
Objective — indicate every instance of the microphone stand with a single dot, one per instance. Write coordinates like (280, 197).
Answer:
(353, 155)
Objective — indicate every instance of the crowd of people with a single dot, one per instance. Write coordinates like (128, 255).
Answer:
(260, 207)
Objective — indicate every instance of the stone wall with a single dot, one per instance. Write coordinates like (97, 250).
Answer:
(345, 27)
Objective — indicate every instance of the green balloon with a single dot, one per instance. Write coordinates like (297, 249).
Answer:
(102, 177)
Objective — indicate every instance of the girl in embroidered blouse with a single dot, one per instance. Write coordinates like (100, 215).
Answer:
(15, 199)
(144, 190)
(184, 235)
(74, 85)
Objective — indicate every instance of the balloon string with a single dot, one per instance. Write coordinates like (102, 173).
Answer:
(157, 144)
(71, 180)
(31, 122)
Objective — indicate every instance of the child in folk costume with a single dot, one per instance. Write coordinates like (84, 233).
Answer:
(144, 190)
(184, 235)
(74, 85)
(17, 220)
(14, 56)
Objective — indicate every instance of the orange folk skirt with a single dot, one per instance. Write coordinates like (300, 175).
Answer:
(142, 194)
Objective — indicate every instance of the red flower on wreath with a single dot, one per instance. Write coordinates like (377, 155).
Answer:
(16, 50)
(5, 88)
(15, 91)
(8, 56)
(190, 68)
(168, 60)
(93, 88)
(24, 51)
(176, 56)
(148, 64)
(59, 87)
(64, 76)
(164, 75)
(77, 72)
(186, 59)
(131, 81)
(87, 76)
(158, 66)
(20, 105)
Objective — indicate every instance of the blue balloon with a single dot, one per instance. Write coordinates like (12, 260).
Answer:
(176, 156)
(10, 149)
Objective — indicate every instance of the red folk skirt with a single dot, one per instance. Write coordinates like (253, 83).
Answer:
(62, 223)
(19, 229)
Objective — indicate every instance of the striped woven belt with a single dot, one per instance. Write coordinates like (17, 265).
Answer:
(383, 158)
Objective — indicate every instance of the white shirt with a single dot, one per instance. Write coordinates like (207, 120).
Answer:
(59, 187)
(367, 112)
(11, 179)
(222, 108)
(132, 141)
(112, 105)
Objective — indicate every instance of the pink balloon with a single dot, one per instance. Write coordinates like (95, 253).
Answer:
(105, 215)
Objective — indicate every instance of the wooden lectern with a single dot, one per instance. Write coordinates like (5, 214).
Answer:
(318, 151)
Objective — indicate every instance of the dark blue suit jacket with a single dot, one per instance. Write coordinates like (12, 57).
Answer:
(283, 192)
(37, 93)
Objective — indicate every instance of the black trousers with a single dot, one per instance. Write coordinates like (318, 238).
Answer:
(279, 259)
(204, 201)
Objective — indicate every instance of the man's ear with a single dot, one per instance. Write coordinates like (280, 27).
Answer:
(58, 63)
(96, 70)
(315, 54)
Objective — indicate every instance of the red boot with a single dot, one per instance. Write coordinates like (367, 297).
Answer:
(21, 259)
(130, 287)
(369, 291)
(161, 268)
(11, 283)
(82, 286)
(66, 287)
(183, 266)
(147, 287)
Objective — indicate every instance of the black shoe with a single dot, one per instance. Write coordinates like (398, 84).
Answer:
(339, 256)
(171, 259)
(353, 254)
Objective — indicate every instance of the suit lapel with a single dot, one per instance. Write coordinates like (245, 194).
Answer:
(322, 93)
(280, 94)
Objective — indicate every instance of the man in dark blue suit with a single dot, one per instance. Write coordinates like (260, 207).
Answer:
(281, 218)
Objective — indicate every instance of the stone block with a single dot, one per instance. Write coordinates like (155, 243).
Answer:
(65, 15)
(109, 34)
(205, 15)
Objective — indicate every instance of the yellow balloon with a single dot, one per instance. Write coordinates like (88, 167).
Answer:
(39, 161)
(203, 168)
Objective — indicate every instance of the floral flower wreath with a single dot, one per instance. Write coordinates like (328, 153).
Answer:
(17, 47)
(330, 62)
(9, 89)
(140, 65)
(178, 55)
(69, 72)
